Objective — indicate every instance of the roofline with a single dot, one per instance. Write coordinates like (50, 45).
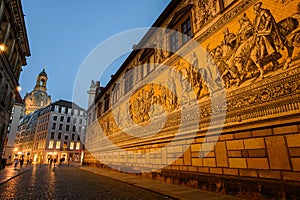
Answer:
(159, 21)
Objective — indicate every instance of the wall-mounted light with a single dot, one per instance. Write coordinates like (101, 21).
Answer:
(19, 88)
(2, 47)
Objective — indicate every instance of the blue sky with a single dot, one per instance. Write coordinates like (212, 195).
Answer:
(62, 33)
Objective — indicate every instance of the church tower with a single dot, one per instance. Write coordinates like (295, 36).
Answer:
(38, 98)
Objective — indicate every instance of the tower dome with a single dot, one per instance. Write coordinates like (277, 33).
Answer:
(38, 98)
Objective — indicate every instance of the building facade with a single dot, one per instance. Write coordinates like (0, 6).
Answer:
(38, 98)
(223, 115)
(14, 48)
(17, 114)
(56, 131)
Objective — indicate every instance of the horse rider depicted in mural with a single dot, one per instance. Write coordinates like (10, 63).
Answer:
(268, 38)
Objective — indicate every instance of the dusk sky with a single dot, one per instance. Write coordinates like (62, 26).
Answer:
(62, 33)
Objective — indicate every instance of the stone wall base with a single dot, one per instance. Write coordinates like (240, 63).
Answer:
(249, 188)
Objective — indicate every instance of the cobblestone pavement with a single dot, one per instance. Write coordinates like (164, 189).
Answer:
(70, 183)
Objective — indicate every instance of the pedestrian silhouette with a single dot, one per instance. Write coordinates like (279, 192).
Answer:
(54, 161)
(21, 162)
(51, 160)
(16, 162)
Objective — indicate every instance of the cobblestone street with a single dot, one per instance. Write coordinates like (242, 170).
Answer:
(70, 183)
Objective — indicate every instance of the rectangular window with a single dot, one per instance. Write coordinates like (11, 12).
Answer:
(61, 118)
(50, 144)
(59, 136)
(65, 145)
(52, 135)
(186, 30)
(70, 111)
(63, 109)
(68, 119)
(78, 138)
(59, 109)
(129, 82)
(66, 111)
(67, 127)
(57, 144)
(106, 104)
(71, 145)
(73, 136)
(74, 120)
(174, 41)
(80, 121)
(66, 137)
(74, 128)
(77, 145)
(60, 126)
(81, 113)
(53, 126)
(54, 118)
(56, 108)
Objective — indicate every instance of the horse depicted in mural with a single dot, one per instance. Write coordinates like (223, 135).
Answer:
(244, 55)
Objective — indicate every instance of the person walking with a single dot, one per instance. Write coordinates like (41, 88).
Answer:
(54, 161)
(21, 162)
(16, 162)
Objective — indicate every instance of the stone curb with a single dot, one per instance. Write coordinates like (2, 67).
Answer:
(10, 178)
(170, 190)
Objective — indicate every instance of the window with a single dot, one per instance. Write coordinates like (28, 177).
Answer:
(75, 112)
(225, 3)
(52, 135)
(53, 126)
(65, 145)
(50, 144)
(116, 93)
(67, 127)
(59, 109)
(181, 23)
(73, 136)
(56, 108)
(74, 128)
(77, 145)
(174, 41)
(128, 81)
(99, 109)
(62, 118)
(68, 119)
(66, 111)
(57, 144)
(59, 136)
(106, 102)
(66, 137)
(81, 113)
(186, 30)
(78, 137)
(60, 126)
(69, 111)
(63, 109)
(74, 120)
(80, 121)
(71, 145)
(54, 118)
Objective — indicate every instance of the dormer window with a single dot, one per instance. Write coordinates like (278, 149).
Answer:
(106, 102)
(128, 81)
(181, 22)
(147, 59)
(186, 29)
